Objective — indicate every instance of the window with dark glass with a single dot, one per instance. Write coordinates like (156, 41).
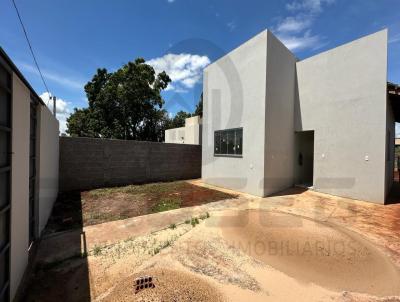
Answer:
(228, 142)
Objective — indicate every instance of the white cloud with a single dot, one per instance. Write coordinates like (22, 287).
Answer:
(295, 31)
(307, 41)
(185, 70)
(170, 1)
(312, 6)
(62, 109)
(55, 77)
(394, 39)
(294, 24)
(231, 25)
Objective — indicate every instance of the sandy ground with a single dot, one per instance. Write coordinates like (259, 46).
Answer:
(312, 252)
(298, 246)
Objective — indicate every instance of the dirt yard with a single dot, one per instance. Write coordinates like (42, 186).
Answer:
(295, 246)
(80, 209)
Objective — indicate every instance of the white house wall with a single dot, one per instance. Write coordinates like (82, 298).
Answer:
(279, 112)
(20, 183)
(46, 174)
(342, 97)
(175, 135)
(234, 96)
(48, 164)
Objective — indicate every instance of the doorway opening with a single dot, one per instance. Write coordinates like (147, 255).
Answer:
(304, 161)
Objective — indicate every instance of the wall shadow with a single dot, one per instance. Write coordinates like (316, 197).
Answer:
(60, 269)
(291, 191)
(394, 194)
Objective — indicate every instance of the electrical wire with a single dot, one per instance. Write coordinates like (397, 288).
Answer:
(30, 46)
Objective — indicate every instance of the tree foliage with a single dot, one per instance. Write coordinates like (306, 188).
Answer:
(178, 120)
(199, 107)
(125, 104)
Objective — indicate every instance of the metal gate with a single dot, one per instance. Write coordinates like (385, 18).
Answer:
(5, 180)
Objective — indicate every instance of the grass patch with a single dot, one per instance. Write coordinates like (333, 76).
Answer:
(166, 204)
(152, 188)
(82, 208)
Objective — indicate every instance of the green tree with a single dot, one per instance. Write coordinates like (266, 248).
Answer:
(199, 106)
(178, 120)
(125, 104)
(79, 123)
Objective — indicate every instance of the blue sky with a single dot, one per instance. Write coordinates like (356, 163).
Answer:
(72, 39)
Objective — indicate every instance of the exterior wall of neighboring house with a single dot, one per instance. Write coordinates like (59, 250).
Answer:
(28, 159)
(342, 97)
(48, 164)
(189, 134)
(193, 128)
(175, 135)
(279, 126)
(234, 97)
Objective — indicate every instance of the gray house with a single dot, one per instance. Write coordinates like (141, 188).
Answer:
(327, 122)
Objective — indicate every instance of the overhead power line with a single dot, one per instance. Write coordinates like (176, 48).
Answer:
(30, 47)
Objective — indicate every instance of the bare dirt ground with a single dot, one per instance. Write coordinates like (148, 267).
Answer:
(77, 209)
(295, 246)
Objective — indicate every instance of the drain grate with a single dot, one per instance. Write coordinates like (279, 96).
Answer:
(143, 283)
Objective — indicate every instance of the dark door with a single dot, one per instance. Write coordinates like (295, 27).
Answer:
(304, 168)
(5, 181)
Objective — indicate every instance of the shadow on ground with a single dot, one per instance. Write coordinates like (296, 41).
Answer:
(70, 268)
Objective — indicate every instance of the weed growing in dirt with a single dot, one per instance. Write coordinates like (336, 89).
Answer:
(194, 221)
(166, 204)
(97, 250)
(187, 221)
(172, 226)
(162, 246)
(204, 216)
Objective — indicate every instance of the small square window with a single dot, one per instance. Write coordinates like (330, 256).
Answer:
(228, 142)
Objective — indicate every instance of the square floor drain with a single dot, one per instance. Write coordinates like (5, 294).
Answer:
(143, 283)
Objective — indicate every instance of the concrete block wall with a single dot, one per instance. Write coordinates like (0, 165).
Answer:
(87, 163)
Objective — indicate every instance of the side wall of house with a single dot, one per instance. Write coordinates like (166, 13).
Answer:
(19, 183)
(48, 164)
(193, 130)
(175, 136)
(342, 97)
(234, 97)
(279, 112)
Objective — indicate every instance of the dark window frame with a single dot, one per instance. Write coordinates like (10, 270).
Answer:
(225, 133)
